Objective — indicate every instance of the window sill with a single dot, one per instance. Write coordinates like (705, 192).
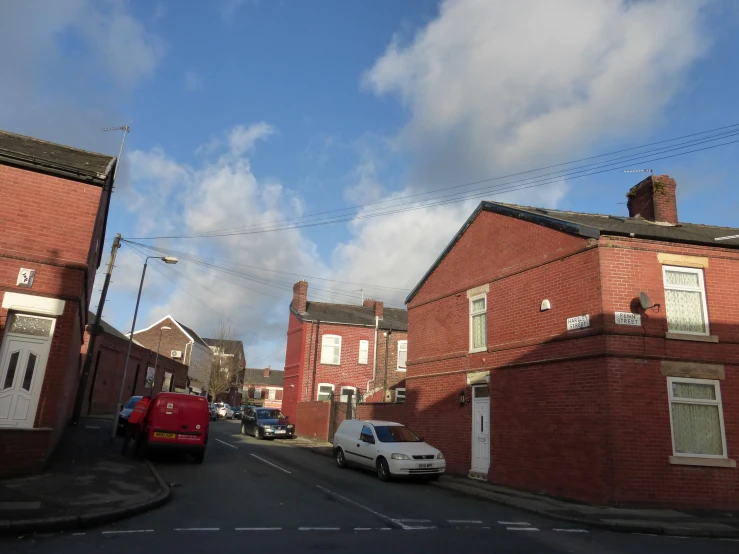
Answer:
(478, 350)
(402, 369)
(328, 363)
(705, 462)
(696, 338)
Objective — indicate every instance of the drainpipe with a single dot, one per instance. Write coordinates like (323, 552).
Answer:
(387, 350)
(374, 357)
(315, 360)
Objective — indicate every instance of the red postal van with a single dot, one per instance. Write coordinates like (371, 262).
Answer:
(179, 422)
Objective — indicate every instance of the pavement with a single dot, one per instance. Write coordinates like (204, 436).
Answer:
(654, 521)
(87, 483)
(251, 495)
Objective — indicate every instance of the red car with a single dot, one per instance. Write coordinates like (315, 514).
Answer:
(177, 421)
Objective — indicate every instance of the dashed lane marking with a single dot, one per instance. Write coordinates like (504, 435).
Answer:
(270, 463)
(319, 528)
(223, 442)
(198, 529)
(128, 531)
(522, 528)
(414, 520)
(571, 530)
(358, 505)
(476, 521)
(258, 529)
(514, 523)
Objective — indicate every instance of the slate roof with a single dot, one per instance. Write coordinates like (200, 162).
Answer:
(193, 334)
(392, 318)
(255, 376)
(54, 158)
(594, 226)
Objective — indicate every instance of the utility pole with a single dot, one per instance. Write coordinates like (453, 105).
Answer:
(94, 332)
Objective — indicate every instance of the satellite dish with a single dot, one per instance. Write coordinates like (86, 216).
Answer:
(644, 301)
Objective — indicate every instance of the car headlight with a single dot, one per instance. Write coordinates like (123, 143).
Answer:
(399, 457)
(267, 426)
(440, 456)
(291, 426)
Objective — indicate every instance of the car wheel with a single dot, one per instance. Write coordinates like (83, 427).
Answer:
(383, 471)
(258, 434)
(339, 457)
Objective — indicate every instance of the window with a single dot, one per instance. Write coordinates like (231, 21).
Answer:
(366, 435)
(325, 391)
(478, 327)
(400, 395)
(271, 394)
(402, 354)
(685, 300)
(331, 350)
(697, 418)
(363, 351)
(257, 394)
(345, 393)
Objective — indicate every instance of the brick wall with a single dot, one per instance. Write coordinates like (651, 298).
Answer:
(314, 419)
(294, 362)
(23, 452)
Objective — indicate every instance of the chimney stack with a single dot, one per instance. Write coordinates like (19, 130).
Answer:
(300, 296)
(654, 199)
(267, 371)
(376, 306)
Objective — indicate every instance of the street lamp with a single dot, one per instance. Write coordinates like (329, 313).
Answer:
(167, 260)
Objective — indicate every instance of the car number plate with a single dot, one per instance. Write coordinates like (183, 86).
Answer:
(280, 431)
(421, 466)
(165, 435)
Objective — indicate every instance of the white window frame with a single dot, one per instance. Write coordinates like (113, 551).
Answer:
(717, 388)
(363, 360)
(344, 397)
(323, 346)
(318, 390)
(701, 289)
(484, 297)
(396, 394)
(397, 364)
(271, 394)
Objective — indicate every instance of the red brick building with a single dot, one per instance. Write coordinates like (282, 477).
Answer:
(333, 349)
(533, 363)
(53, 211)
(263, 387)
(147, 374)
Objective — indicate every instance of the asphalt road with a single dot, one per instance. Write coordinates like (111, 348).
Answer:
(251, 495)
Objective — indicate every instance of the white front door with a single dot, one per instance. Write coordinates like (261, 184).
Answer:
(23, 357)
(480, 429)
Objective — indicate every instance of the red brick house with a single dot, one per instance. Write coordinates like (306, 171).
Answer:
(182, 344)
(333, 349)
(543, 371)
(53, 211)
(263, 387)
(101, 396)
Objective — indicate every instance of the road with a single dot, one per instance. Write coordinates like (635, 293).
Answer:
(251, 495)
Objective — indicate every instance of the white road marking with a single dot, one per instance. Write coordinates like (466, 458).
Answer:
(363, 528)
(319, 529)
(464, 521)
(390, 529)
(514, 523)
(414, 520)
(522, 528)
(198, 529)
(258, 529)
(370, 510)
(231, 445)
(417, 528)
(571, 530)
(270, 463)
(78, 534)
(130, 531)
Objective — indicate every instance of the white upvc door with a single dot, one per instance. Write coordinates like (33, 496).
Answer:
(480, 429)
(23, 357)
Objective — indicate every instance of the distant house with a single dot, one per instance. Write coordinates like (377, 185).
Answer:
(233, 360)
(182, 344)
(54, 203)
(337, 350)
(263, 387)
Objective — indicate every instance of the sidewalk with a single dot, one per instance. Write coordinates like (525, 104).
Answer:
(88, 483)
(625, 520)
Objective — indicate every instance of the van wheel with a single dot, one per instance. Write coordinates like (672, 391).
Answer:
(383, 471)
(199, 456)
(339, 457)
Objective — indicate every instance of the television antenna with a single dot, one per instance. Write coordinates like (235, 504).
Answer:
(126, 129)
(650, 171)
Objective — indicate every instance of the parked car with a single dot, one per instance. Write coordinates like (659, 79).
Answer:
(226, 411)
(176, 421)
(213, 412)
(390, 449)
(125, 413)
(266, 423)
(238, 411)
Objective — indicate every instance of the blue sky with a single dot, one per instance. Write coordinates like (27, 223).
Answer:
(246, 112)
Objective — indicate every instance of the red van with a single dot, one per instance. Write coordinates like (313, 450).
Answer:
(179, 422)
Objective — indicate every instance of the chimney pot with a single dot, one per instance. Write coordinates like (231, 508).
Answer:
(654, 199)
(300, 296)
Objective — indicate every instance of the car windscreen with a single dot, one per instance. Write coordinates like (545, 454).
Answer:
(395, 433)
(132, 402)
(270, 414)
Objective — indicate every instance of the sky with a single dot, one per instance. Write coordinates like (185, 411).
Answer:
(248, 115)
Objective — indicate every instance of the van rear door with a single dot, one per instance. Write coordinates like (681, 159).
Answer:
(179, 419)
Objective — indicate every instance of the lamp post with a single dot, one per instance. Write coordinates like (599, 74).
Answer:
(165, 259)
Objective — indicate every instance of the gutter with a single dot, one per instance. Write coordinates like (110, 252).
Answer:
(50, 168)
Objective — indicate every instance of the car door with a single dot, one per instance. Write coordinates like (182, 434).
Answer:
(364, 449)
(251, 421)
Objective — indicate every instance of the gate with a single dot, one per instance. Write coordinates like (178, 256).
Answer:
(341, 411)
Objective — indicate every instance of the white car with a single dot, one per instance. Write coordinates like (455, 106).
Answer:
(390, 449)
(224, 410)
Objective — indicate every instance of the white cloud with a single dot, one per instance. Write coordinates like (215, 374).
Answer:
(194, 80)
(242, 139)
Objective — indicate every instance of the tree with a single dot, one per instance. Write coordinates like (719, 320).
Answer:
(225, 367)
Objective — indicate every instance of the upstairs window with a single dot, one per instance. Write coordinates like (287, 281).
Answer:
(363, 351)
(685, 300)
(402, 354)
(478, 323)
(331, 350)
